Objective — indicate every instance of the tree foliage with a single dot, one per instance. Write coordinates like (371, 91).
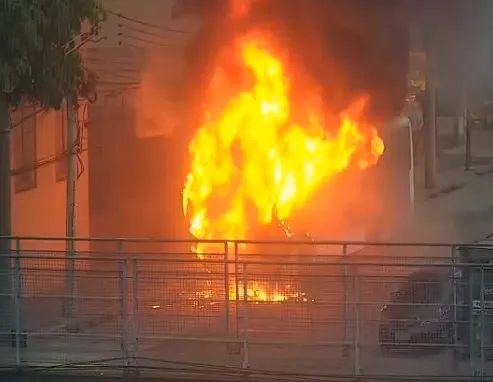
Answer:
(36, 59)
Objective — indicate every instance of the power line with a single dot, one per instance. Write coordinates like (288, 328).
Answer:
(157, 35)
(123, 17)
(145, 41)
(134, 46)
(115, 83)
(99, 67)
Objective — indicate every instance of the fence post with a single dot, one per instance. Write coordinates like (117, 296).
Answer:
(457, 351)
(17, 302)
(136, 321)
(357, 360)
(71, 287)
(226, 288)
(345, 348)
(472, 337)
(237, 288)
(122, 265)
(482, 322)
(246, 358)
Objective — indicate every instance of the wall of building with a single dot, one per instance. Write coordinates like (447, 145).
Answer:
(142, 49)
(132, 183)
(134, 188)
(39, 211)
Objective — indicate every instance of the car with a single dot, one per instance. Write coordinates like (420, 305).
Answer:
(419, 315)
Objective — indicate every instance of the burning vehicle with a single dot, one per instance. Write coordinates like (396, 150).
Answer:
(281, 126)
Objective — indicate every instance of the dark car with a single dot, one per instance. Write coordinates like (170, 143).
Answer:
(419, 315)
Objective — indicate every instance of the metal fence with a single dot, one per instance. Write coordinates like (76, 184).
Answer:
(295, 308)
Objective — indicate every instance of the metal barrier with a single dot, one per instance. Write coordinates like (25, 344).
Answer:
(382, 309)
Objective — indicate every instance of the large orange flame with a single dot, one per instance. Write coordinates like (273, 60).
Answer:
(258, 156)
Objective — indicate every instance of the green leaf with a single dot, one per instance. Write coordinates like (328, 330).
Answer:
(33, 40)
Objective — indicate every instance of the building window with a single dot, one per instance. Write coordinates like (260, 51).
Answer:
(61, 144)
(24, 147)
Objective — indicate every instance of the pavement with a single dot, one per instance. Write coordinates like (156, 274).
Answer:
(451, 162)
(292, 337)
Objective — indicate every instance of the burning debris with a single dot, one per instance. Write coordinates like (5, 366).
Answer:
(255, 292)
(258, 153)
(267, 139)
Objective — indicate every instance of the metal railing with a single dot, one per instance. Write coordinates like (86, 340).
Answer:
(331, 308)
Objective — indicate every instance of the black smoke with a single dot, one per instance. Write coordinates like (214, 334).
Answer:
(349, 47)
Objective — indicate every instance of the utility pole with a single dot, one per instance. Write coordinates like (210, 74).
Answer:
(70, 234)
(461, 112)
(468, 158)
(5, 219)
(430, 115)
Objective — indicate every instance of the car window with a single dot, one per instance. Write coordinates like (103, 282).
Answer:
(417, 291)
(488, 283)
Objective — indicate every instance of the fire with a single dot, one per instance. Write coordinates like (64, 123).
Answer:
(259, 154)
(253, 162)
(255, 292)
(261, 293)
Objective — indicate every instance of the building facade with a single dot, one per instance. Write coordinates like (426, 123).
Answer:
(39, 141)
(134, 179)
(39, 173)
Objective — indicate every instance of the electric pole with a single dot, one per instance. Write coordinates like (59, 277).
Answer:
(430, 128)
(5, 220)
(70, 234)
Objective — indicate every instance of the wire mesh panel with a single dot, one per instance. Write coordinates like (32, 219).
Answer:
(51, 334)
(8, 312)
(305, 325)
(366, 312)
(184, 310)
(409, 316)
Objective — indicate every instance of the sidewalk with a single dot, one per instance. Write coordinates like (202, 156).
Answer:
(461, 215)
(452, 174)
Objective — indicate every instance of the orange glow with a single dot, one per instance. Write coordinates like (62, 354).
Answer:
(252, 157)
(239, 8)
(260, 153)
(255, 292)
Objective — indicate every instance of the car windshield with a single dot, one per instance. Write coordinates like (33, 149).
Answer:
(488, 283)
(418, 289)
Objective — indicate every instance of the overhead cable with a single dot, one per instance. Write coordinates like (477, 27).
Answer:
(137, 30)
(144, 23)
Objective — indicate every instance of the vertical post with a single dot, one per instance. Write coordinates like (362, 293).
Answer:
(345, 350)
(5, 218)
(411, 169)
(357, 360)
(17, 302)
(122, 265)
(226, 287)
(468, 159)
(455, 275)
(430, 115)
(136, 321)
(472, 336)
(70, 231)
(482, 321)
(460, 118)
(246, 361)
(237, 287)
